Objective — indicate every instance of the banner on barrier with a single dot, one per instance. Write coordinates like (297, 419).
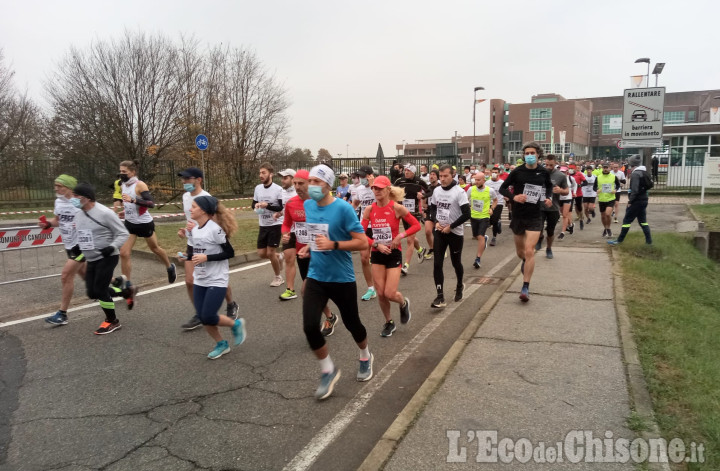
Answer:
(17, 238)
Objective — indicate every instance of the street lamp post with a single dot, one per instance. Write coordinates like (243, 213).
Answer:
(657, 70)
(647, 61)
(475, 90)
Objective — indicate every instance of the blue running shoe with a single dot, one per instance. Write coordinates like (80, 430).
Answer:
(548, 253)
(613, 242)
(524, 294)
(57, 319)
(327, 384)
(365, 371)
(238, 331)
(369, 294)
(221, 349)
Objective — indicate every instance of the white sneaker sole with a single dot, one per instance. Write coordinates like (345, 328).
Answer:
(227, 350)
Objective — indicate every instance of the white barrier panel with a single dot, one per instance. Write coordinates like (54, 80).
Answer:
(17, 238)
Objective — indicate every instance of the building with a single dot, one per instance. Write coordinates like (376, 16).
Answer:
(456, 145)
(590, 127)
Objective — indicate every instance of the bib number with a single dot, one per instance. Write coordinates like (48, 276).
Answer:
(315, 230)
(382, 235)
(478, 205)
(301, 233)
(606, 187)
(85, 240)
(200, 267)
(443, 215)
(410, 205)
(533, 193)
(130, 211)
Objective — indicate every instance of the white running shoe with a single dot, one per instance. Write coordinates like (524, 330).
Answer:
(277, 281)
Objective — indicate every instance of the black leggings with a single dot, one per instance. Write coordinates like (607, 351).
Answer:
(495, 219)
(97, 282)
(442, 242)
(344, 295)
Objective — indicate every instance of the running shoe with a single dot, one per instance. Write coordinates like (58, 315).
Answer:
(329, 325)
(172, 273)
(221, 348)
(592, 213)
(404, 269)
(129, 294)
(421, 254)
(588, 221)
(405, 312)
(613, 242)
(561, 236)
(524, 294)
(476, 265)
(327, 384)
(459, 292)
(193, 323)
(582, 225)
(288, 295)
(107, 327)
(369, 294)
(120, 282)
(232, 310)
(277, 281)
(428, 254)
(388, 329)
(609, 233)
(604, 232)
(571, 229)
(238, 331)
(493, 241)
(615, 221)
(439, 302)
(57, 319)
(548, 254)
(365, 371)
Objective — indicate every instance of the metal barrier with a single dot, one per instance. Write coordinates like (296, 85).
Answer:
(30, 250)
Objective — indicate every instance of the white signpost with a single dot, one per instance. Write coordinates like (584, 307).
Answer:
(711, 175)
(642, 118)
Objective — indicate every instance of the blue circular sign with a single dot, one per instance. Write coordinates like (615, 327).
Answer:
(572, 154)
(201, 142)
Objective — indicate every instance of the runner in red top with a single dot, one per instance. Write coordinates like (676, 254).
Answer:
(294, 223)
(386, 254)
(577, 196)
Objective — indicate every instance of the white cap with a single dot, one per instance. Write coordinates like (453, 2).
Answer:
(324, 173)
(288, 172)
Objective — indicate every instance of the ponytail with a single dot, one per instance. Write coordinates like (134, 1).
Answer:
(225, 219)
(397, 193)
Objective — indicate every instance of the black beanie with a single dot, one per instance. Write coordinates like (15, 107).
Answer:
(208, 204)
(86, 190)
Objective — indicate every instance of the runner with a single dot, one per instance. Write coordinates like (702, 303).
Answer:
(495, 183)
(364, 198)
(211, 251)
(343, 189)
(384, 216)
(530, 184)
(65, 219)
(608, 186)
(267, 200)
(139, 223)
(621, 178)
(589, 191)
(579, 178)
(424, 175)
(483, 201)
(450, 205)
(193, 179)
(350, 196)
(334, 232)
(414, 188)
(100, 234)
(551, 214)
(430, 212)
(637, 201)
(566, 205)
(288, 249)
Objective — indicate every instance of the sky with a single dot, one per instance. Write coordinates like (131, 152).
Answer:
(359, 74)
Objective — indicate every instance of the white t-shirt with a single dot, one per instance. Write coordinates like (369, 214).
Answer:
(366, 197)
(425, 178)
(620, 176)
(207, 240)
(271, 195)
(65, 213)
(495, 185)
(588, 189)
(448, 204)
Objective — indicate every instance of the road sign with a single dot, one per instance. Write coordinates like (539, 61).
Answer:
(201, 142)
(638, 144)
(572, 154)
(619, 144)
(642, 119)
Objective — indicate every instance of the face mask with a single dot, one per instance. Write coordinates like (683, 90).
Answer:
(124, 177)
(58, 195)
(571, 172)
(364, 181)
(316, 193)
(494, 177)
(189, 186)
(259, 210)
(355, 181)
(531, 159)
(76, 202)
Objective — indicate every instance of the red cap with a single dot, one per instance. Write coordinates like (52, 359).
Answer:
(381, 182)
(304, 174)
(572, 166)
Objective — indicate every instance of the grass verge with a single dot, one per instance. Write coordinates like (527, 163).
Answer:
(244, 240)
(709, 214)
(672, 301)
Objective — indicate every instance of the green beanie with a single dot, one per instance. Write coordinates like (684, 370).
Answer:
(66, 181)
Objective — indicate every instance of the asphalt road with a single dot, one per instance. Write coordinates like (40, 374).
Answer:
(147, 398)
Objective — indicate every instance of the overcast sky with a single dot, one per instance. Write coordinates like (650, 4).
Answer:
(369, 72)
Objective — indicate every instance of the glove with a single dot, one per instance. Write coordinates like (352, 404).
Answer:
(107, 251)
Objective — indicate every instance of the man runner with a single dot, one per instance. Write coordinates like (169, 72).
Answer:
(608, 187)
(483, 201)
(551, 214)
(267, 200)
(414, 188)
(288, 253)
(364, 198)
(637, 201)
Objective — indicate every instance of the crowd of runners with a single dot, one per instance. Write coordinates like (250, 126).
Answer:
(311, 224)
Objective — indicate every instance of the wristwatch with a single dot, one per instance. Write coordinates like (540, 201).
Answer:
(375, 245)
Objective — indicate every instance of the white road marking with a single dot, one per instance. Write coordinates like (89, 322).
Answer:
(141, 293)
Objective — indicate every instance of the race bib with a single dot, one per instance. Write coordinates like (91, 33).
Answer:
(443, 215)
(130, 211)
(266, 218)
(606, 188)
(301, 233)
(382, 235)
(67, 232)
(533, 193)
(85, 240)
(478, 205)
(315, 230)
(587, 190)
(200, 267)
(410, 205)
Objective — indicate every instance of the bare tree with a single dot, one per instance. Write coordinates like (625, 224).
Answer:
(20, 119)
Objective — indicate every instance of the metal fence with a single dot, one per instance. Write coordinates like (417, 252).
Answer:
(30, 182)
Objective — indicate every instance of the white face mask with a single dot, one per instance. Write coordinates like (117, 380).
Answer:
(58, 195)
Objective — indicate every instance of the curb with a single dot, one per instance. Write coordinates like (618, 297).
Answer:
(385, 447)
(637, 386)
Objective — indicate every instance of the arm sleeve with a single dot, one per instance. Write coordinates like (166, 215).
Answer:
(275, 207)
(465, 208)
(227, 253)
(617, 183)
(595, 187)
(189, 250)
(413, 222)
(253, 204)
(145, 200)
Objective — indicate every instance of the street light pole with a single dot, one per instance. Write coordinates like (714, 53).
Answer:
(475, 90)
(647, 61)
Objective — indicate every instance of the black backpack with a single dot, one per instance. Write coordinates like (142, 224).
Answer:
(646, 182)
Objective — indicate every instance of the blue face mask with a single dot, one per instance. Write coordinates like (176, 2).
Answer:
(364, 181)
(76, 202)
(531, 159)
(189, 186)
(259, 210)
(315, 192)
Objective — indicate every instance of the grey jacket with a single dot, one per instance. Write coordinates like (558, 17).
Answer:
(636, 192)
(106, 230)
